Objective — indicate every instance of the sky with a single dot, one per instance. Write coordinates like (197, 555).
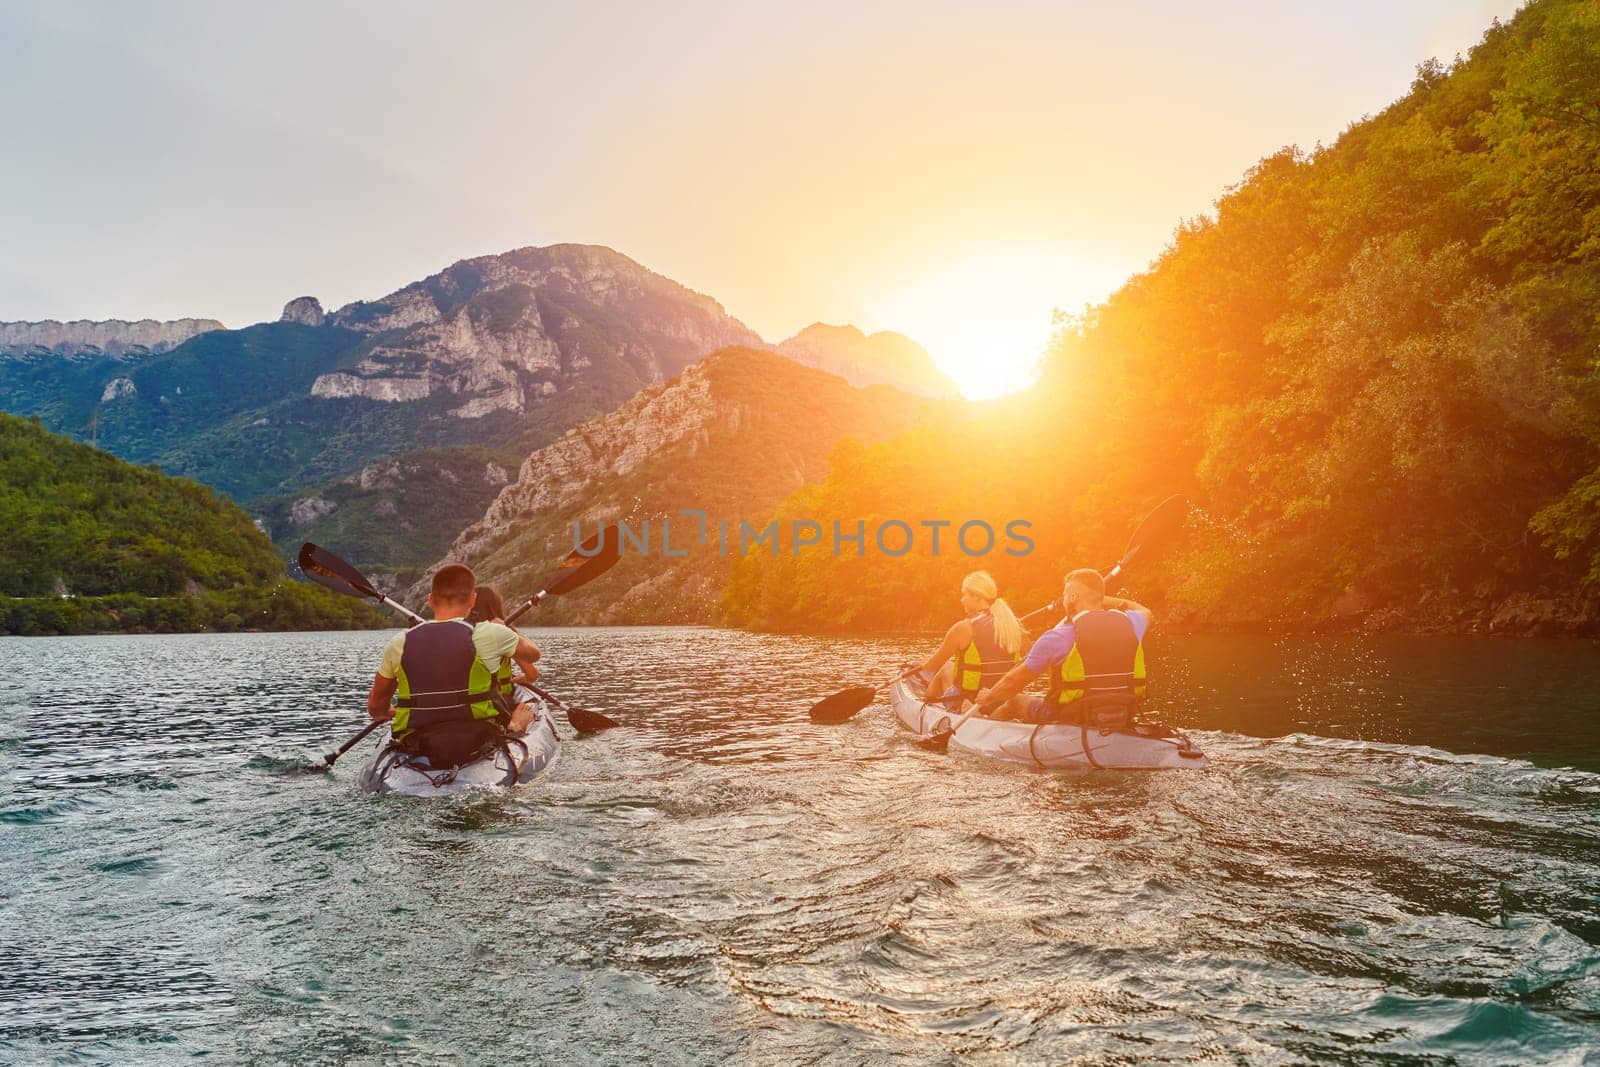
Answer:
(953, 171)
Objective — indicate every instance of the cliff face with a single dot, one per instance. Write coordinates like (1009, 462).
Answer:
(884, 358)
(732, 436)
(501, 352)
(112, 337)
(500, 333)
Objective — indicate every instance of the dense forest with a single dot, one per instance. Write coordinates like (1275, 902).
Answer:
(95, 544)
(1374, 369)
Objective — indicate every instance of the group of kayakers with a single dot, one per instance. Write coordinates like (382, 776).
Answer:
(448, 685)
(1097, 649)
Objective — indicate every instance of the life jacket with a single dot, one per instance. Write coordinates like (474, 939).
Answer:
(1107, 657)
(441, 679)
(983, 662)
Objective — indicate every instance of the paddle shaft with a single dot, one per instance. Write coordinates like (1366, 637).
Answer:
(947, 734)
(348, 745)
(1110, 574)
(534, 601)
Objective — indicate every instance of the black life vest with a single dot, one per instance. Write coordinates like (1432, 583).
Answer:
(983, 662)
(441, 679)
(1107, 657)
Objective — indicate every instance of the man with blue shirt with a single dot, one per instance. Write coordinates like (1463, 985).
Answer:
(1096, 651)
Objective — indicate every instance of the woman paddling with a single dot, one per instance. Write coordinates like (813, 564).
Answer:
(979, 649)
(488, 607)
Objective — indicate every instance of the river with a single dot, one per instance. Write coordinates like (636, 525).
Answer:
(1393, 857)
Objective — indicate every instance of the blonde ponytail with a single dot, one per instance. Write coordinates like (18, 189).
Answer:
(1007, 630)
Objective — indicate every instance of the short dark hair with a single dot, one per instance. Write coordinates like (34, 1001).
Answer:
(488, 605)
(454, 582)
(1089, 578)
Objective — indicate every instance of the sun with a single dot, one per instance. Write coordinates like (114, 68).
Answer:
(986, 318)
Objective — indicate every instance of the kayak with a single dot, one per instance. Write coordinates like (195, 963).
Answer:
(1049, 746)
(519, 760)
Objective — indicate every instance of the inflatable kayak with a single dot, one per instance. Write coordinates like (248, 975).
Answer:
(517, 760)
(1050, 746)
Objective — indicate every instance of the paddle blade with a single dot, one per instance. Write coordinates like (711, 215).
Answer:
(939, 742)
(589, 722)
(325, 568)
(1156, 529)
(594, 557)
(842, 705)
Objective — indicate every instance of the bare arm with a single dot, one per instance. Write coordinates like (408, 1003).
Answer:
(527, 673)
(525, 656)
(1015, 681)
(1120, 603)
(958, 636)
(379, 698)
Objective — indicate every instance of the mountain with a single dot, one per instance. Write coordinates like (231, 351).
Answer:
(1371, 369)
(731, 436)
(93, 543)
(508, 332)
(499, 352)
(113, 337)
(883, 358)
(398, 513)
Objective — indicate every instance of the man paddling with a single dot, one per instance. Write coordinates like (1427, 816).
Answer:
(1096, 651)
(441, 676)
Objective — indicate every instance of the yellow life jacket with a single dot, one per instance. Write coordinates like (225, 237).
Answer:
(983, 662)
(441, 679)
(1107, 656)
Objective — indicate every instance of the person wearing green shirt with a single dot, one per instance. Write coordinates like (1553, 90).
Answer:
(439, 683)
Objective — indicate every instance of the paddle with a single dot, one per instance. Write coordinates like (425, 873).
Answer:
(846, 702)
(583, 564)
(325, 568)
(1159, 525)
(575, 569)
(582, 719)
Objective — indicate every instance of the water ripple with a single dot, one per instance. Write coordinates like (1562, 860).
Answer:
(1371, 871)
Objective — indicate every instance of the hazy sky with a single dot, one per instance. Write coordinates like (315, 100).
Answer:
(953, 171)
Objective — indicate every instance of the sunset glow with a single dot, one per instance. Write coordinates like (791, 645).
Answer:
(987, 317)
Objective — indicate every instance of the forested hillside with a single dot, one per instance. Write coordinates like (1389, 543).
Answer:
(1374, 369)
(730, 437)
(92, 543)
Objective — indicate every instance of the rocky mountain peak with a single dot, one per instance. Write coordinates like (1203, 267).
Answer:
(306, 310)
(505, 332)
(883, 358)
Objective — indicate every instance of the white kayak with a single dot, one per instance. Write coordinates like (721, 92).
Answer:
(1050, 746)
(518, 760)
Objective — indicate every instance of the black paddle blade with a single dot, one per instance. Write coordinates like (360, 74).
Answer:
(589, 722)
(589, 561)
(842, 705)
(1157, 527)
(325, 568)
(938, 742)
(604, 549)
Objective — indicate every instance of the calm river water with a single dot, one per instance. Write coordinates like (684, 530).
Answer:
(1394, 858)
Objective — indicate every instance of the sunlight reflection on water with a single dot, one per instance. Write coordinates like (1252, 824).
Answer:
(1388, 857)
